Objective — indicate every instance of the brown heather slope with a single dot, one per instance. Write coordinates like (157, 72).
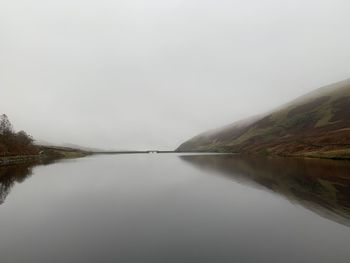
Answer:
(314, 125)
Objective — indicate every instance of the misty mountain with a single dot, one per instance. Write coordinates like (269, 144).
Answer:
(314, 125)
(44, 143)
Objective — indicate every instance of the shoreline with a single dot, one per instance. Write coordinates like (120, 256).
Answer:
(72, 154)
(48, 154)
(20, 159)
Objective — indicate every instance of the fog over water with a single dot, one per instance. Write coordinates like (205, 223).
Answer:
(137, 74)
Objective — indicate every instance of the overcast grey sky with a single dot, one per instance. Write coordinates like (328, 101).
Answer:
(135, 74)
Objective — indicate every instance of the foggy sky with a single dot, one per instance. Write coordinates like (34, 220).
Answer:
(138, 74)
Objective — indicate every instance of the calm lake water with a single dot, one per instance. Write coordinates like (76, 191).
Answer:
(176, 208)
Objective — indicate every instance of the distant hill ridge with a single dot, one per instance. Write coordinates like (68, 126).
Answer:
(314, 125)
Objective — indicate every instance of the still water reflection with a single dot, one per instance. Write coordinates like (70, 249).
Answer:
(9, 176)
(15, 174)
(175, 208)
(322, 186)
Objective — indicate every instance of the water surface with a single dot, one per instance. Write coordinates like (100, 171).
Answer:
(175, 208)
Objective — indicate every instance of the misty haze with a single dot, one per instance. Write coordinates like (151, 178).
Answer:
(174, 131)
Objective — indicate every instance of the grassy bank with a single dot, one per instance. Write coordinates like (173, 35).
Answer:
(46, 153)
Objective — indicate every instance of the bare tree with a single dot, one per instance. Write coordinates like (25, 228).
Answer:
(6, 127)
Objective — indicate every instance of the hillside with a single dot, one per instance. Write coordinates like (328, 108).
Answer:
(314, 125)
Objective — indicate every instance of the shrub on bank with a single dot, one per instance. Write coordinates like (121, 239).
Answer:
(14, 143)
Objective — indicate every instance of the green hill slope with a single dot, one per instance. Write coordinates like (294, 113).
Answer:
(314, 125)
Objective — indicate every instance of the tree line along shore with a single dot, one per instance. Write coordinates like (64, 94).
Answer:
(19, 147)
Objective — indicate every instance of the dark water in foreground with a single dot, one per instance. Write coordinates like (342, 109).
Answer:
(173, 208)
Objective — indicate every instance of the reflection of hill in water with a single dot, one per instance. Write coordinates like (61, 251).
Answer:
(322, 186)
